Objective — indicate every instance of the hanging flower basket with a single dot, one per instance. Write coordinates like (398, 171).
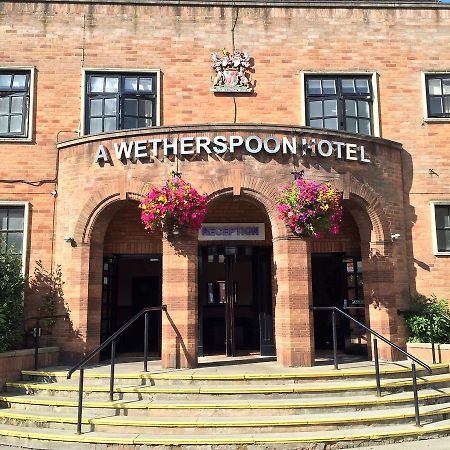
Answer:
(310, 208)
(174, 206)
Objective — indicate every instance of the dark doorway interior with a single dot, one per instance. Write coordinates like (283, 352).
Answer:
(235, 300)
(131, 283)
(337, 280)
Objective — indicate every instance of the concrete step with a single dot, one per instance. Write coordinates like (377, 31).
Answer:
(209, 424)
(225, 406)
(205, 377)
(37, 438)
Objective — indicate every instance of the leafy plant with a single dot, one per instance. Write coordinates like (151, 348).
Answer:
(309, 208)
(11, 299)
(418, 320)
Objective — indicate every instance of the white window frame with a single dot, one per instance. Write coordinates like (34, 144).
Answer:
(433, 225)
(423, 83)
(375, 105)
(86, 70)
(28, 137)
(26, 213)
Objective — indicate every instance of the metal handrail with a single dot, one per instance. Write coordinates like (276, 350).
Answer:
(111, 340)
(431, 320)
(415, 360)
(37, 332)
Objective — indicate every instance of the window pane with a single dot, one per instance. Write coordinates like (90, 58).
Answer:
(97, 84)
(5, 81)
(15, 124)
(130, 106)
(130, 122)
(332, 124)
(446, 105)
(145, 84)
(442, 215)
(443, 240)
(110, 124)
(3, 124)
(446, 86)
(16, 105)
(15, 219)
(315, 109)
(362, 86)
(434, 86)
(95, 126)
(3, 218)
(435, 105)
(110, 107)
(329, 87)
(19, 81)
(4, 105)
(330, 108)
(314, 87)
(351, 125)
(347, 86)
(131, 84)
(111, 84)
(363, 109)
(96, 107)
(350, 108)
(316, 123)
(364, 126)
(145, 107)
(15, 239)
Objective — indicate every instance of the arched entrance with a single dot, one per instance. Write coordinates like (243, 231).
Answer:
(235, 278)
(130, 262)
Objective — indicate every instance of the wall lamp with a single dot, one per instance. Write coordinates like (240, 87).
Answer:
(395, 236)
(70, 240)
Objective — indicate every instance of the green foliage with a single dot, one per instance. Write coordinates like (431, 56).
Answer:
(418, 320)
(11, 300)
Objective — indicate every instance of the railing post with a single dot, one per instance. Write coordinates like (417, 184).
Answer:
(377, 367)
(416, 397)
(80, 400)
(430, 318)
(333, 320)
(111, 380)
(146, 342)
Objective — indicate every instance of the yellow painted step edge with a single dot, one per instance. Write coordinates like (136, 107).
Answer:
(259, 439)
(235, 390)
(285, 404)
(198, 377)
(114, 421)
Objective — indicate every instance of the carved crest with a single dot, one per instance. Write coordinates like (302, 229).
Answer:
(231, 72)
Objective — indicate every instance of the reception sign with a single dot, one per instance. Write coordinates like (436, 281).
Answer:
(232, 232)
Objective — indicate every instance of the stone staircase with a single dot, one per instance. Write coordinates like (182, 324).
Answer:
(250, 405)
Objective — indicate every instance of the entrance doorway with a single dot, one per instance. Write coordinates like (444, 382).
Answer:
(131, 283)
(235, 300)
(337, 280)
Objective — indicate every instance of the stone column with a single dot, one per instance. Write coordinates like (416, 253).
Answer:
(179, 294)
(294, 330)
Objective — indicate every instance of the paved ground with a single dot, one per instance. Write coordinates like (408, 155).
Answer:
(430, 444)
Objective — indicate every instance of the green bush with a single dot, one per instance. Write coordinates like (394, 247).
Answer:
(418, 322)
(11, 299)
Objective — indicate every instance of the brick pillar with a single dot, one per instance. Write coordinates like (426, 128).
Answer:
(294, 330)
(179, 294)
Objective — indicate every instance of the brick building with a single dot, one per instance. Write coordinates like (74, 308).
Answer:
(99, 100)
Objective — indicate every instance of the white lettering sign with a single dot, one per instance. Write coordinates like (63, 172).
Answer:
(188, 145)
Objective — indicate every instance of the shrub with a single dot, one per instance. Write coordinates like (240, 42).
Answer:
(418, 321)
(11, 299)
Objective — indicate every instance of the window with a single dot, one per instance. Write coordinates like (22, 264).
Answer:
(12, 228)
(340, 103)
(120, 101)
(438, 95)
(442, 227)
(14, 103)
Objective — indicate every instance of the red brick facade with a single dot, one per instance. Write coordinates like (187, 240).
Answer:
(389, 195)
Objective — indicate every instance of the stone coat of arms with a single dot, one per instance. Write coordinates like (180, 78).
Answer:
(231, 72)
